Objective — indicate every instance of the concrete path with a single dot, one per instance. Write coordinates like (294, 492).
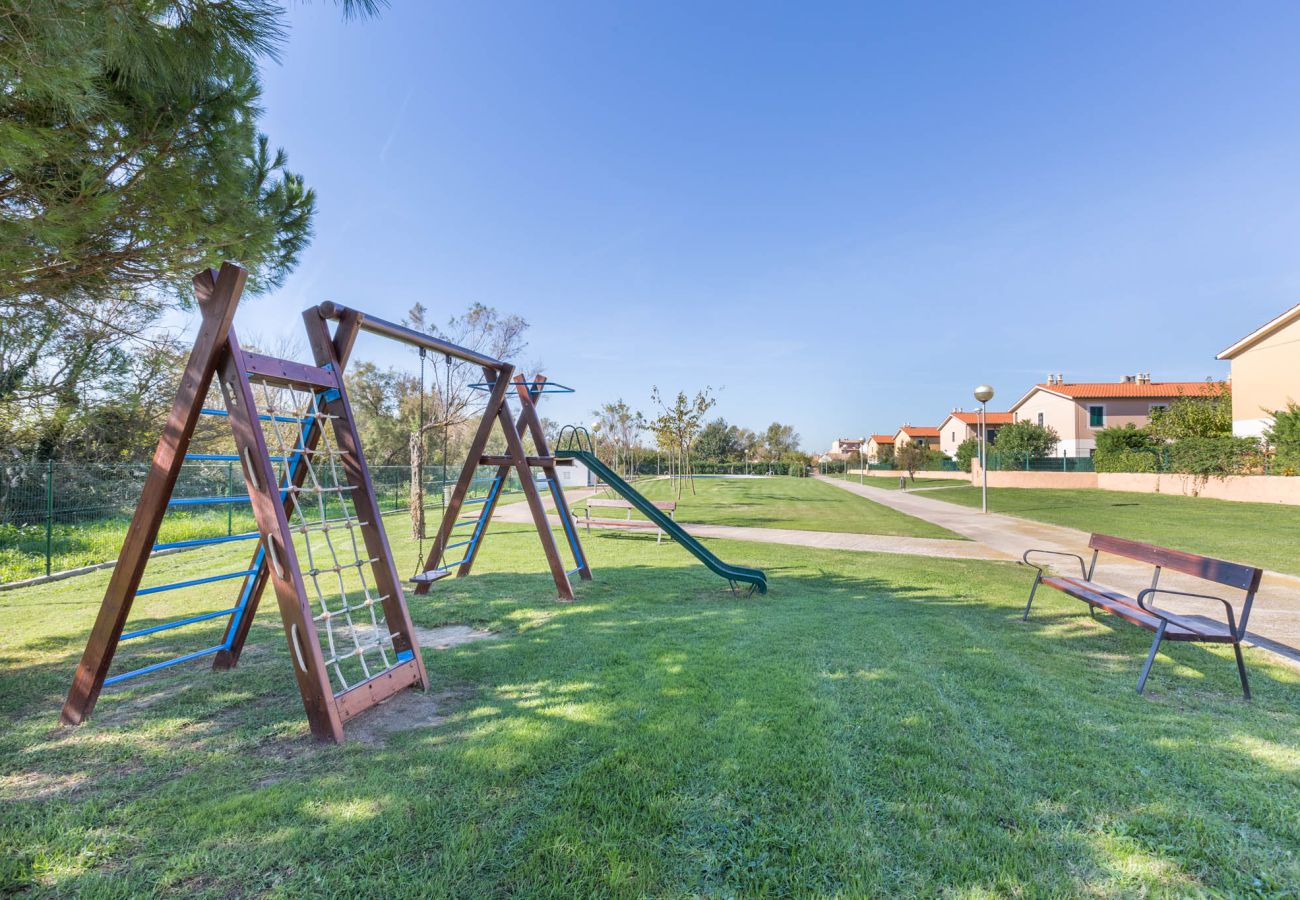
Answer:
(1274, 622)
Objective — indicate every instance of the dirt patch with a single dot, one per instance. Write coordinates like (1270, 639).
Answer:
(404, 712)
(448, 636)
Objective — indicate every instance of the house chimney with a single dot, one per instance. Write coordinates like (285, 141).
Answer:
(1130, 379)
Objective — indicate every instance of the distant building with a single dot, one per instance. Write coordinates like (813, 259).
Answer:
(877, 443)
(1078, 410)
(844, 448)
(915, 434)
(1265, 373)
(959, 426)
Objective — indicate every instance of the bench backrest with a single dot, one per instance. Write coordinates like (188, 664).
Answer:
(666, 505)
(1236, 575)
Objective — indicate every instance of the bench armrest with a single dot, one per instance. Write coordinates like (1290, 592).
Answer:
(1175, 619)
(1083, 567)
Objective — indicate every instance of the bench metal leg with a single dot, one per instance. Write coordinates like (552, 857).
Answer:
(1033, 590)
(1151, 657)
(1241, 670)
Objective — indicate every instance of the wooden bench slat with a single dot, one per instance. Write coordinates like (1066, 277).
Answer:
(1220, 571)
(667, 505)
(1180, 629)
(620, 523)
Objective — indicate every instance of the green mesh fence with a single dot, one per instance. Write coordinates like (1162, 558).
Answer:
(59, 516)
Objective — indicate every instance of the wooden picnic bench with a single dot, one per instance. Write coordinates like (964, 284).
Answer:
(1141, 612)
(668, 506)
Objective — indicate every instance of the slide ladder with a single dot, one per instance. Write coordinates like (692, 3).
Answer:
(734, 574)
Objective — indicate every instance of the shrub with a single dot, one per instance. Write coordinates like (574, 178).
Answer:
(1125, 460)
(1213, 457)
(1128, 437)
(796, 470)
(966, 451)
(1195, 417)
(1026, 439)
(1284, 436)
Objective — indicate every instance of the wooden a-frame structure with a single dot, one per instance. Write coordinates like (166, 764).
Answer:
(500, 378)
(217, 352)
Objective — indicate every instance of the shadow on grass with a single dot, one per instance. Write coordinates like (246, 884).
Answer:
(849, 733)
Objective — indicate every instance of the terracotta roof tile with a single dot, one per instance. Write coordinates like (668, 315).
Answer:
(993, 418)
(918, 431)
(1126, 389)
(883, 438)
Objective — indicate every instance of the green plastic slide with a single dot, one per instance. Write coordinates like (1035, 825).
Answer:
(676, 532)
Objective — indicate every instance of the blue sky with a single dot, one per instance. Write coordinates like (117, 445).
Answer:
(843, 216)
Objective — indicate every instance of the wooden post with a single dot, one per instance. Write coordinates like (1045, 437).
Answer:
(283, 572)
(528, 418)
(501, 382)
(218, 296)
(387, 581)
(345, 337)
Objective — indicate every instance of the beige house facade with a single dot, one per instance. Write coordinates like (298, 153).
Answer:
(876, 443)
(915, 434)
(1265, 373)
(845, 448)
(1078, 410)
(961, 425)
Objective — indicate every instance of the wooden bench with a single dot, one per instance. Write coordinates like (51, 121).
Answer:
(1141, 612)
(668, 506)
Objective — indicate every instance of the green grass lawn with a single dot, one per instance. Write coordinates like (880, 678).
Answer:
(875, 725)
(1262, 534)
(782, 502)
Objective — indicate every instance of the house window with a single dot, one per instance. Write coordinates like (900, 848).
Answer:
(1157, 407)
(990, 435)
(954, 436)
(1040, 420)
(1096, 416)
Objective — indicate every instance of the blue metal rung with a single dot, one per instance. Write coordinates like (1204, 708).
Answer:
(203, 542)
(162, 665)
(465, 522)
(224, 457)
(573, 572)
(212, 501)
(459, 544)
(448, 565)
(261, 416)
(176, 585)
(405, 656)
(477, 500)
(167, 626)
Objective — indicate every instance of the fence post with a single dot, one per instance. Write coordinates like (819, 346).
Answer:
(49, 513)
(230, 507)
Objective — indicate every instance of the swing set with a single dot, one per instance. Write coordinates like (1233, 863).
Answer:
(319, 539)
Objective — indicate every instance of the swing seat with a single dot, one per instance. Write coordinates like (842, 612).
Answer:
(430, 576)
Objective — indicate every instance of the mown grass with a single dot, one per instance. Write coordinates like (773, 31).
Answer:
(1262, 534)
(781, 502)
(875, 725)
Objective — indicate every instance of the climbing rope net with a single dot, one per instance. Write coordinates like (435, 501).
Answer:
(346, 606)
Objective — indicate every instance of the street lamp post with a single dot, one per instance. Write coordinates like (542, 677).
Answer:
(984, 393)
(862, 465)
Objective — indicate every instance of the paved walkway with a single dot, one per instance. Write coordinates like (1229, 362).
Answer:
(1274, 622)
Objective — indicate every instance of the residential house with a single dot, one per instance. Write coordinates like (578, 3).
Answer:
(1078, 410)
(876, 443)
(960, 425)
(845, 448)
(1265, 373)
(915, 434)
